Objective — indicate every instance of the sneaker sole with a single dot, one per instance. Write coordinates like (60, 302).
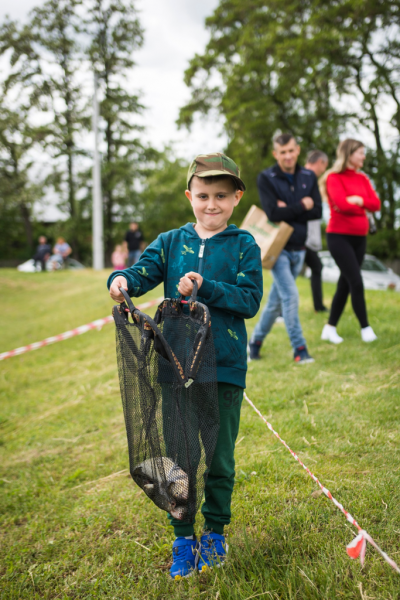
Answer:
(205, 567)
(249, 359)
(327, 339)
(305, 361)
(179, 577)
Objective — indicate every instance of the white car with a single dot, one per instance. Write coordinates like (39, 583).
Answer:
(374, 273)
(29, 266)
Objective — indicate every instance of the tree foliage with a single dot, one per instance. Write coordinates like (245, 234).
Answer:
(164, 204)
(314, 68)
(115, 34)
(18, 192)
(51, 62)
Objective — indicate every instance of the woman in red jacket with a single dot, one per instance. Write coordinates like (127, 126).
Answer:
(349, 193)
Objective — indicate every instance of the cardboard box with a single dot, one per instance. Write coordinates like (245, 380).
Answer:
(271, 237)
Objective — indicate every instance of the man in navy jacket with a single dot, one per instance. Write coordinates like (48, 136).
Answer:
(288, 193)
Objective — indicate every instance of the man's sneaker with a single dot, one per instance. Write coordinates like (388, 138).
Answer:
(184, 553)
(212, 551)
(254, 350)
(329, 334)
(301, 356)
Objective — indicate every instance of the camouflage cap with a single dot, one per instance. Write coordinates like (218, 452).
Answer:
(209, 165)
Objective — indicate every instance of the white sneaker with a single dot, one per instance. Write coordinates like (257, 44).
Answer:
(368, 335)
(330, 335)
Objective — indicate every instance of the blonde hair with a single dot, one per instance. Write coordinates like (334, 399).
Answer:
(343, 152)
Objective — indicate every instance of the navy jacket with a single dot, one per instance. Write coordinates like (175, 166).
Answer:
(232, 288)
(273, 186)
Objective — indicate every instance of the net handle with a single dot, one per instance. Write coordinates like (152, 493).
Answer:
(128, 300)
(193, 297)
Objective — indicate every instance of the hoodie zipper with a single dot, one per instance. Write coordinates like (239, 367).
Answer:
(201, 254)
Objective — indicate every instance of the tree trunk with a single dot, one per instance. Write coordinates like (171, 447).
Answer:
(26, 217)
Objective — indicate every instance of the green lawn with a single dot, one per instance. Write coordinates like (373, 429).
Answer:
(73, 525)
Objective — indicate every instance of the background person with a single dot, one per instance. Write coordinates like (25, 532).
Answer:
(42, 253)
(61, 251)
(288, 193)
(317, 162)
(133, 242)
(118, 258)
(349, 194)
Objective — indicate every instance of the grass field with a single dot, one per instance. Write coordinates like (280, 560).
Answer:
(73, 525)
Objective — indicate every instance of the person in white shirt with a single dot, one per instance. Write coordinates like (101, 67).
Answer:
(317, 162)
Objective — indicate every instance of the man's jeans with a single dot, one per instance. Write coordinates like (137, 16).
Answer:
(133, 257)
(283, 299)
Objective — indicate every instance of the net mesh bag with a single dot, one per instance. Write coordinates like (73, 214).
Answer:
(168, 380)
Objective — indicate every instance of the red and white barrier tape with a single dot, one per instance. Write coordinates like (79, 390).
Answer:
(68, 334)
(357, 547)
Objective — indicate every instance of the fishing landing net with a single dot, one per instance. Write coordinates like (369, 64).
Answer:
(168, 380)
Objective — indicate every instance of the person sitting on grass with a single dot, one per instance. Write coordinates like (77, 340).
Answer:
(61, 252)
(226, 263)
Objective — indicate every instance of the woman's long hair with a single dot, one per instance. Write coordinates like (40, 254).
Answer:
(343, 153)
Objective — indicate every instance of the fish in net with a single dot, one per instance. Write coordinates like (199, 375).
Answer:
(168, 381)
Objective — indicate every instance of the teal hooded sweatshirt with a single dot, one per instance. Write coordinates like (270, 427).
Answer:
(232, 288)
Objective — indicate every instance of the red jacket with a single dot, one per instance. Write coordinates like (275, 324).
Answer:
(346, 218)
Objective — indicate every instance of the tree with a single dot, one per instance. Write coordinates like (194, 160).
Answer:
(17, 191)
(365, 50)
(44, 58)
(54, 31)
(163, 204)
(115, 33)
(49, 56)
(269, 77)
(310, 67)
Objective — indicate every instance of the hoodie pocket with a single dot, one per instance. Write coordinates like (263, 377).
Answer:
(230, 344)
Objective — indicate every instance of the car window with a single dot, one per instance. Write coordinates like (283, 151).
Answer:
(327, 261)
(373, 264)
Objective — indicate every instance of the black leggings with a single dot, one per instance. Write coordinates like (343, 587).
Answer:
(313, 261)
(348, 252)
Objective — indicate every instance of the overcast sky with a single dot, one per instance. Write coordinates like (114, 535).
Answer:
(174, 32)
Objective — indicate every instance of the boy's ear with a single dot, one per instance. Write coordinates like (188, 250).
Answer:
(238, 196)
(188, 195)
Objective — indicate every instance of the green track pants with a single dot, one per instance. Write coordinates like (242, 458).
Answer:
(216, 508)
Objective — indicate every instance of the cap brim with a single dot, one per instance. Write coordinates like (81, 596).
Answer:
(213, 173)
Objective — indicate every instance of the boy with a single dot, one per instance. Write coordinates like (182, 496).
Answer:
(226, 263)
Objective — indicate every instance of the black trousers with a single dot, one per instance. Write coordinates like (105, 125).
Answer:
(40, 259)
(313, 261)
(348, 252)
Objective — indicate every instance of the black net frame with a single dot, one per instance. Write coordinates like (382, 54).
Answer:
(168, 381)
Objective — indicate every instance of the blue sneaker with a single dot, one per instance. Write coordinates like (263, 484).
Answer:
(301, 356)
(212, 551)
(253, 351)
(183, 557)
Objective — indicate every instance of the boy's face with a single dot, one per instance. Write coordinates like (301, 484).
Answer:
(213, 203)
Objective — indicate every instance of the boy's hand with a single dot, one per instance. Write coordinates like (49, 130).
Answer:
(117, 283)
(186, 284)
